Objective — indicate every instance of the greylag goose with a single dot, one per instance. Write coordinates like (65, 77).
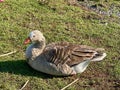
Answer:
(61, 58)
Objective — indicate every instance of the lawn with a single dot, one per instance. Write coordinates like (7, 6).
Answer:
(58, 21)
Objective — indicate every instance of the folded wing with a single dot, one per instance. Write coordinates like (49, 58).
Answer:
(70, 54)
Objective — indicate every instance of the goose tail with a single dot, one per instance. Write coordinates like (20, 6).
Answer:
(99, 57)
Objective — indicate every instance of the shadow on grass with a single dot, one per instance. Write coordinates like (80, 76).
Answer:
(20, 67)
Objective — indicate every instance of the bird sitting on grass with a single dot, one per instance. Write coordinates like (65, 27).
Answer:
(60, 58)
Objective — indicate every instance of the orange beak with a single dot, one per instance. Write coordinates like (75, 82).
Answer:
(27, 40)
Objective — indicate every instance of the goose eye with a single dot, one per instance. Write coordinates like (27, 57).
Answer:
(33, 35)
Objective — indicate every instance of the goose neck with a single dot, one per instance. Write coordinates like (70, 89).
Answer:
(40, 45)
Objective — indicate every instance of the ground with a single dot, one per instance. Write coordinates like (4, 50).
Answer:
(59, 21)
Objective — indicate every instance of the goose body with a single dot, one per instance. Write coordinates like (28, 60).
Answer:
(60, 58)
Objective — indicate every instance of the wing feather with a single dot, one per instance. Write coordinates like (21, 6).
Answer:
(70, 54)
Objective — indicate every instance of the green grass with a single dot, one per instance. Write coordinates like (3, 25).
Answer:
(58, 22)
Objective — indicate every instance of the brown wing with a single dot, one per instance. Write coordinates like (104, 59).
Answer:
(70, 54)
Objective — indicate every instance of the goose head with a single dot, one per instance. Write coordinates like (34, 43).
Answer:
(35, 37)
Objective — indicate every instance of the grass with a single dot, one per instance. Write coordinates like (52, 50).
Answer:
(59, 22)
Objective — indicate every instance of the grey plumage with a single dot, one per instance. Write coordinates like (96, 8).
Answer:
(60, 58)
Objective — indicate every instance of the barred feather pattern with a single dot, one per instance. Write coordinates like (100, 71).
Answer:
(70, 54)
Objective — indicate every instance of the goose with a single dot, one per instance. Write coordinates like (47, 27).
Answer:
(59, 58)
